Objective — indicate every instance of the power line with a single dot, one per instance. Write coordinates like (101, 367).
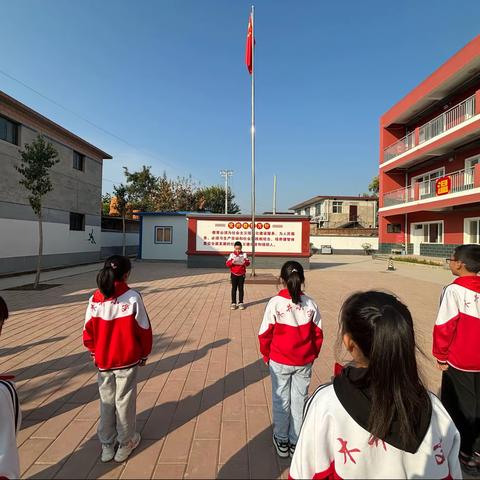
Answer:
(98, 127)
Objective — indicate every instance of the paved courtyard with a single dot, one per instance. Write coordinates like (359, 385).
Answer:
(204, 403)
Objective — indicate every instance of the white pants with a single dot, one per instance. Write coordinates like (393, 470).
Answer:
(118, 405)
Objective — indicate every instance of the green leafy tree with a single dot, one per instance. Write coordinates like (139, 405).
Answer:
(373, 187)
(164, 200)
(212, 199)
(106, 201)
(122, 196)
(141, 187)
(37, 160)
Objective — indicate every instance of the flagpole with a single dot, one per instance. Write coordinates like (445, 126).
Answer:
(253, 141)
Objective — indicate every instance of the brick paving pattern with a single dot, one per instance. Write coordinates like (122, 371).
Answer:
(204, 401)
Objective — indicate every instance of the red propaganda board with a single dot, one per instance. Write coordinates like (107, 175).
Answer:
(274, 235)
(443, 185)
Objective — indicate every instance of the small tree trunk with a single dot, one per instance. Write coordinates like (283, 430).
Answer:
(40, 251)
(124, 236)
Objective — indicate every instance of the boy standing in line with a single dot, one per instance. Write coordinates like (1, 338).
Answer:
(456, 338)
(237, 262)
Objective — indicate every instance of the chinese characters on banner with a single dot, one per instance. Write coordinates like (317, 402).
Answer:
(270, 237)
(443, 185)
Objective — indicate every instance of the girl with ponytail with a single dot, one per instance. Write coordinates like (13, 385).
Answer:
(290, 340)
(377, 420)
(118, 334)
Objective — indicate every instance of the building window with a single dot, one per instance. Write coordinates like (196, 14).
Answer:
(394, 228)
(318, 209)
(337, 207)
(8, 131)
(469, 168)
(77, 221)
(163, 234)
(78, 161)
(472, 230)
(427, 182)
(430, 232)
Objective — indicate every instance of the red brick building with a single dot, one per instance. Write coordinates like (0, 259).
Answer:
(430, 161)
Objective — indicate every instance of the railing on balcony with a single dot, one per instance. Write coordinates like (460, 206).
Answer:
(447, 120)
(399, 147)
(459, 182)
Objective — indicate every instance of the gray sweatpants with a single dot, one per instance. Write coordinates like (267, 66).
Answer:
(118, 405)
(289, 394)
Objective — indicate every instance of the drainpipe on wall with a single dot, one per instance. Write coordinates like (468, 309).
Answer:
(406, 233)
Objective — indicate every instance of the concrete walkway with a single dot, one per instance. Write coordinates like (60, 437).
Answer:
(204, 402)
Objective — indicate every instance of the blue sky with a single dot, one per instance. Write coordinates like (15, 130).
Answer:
(168, 77)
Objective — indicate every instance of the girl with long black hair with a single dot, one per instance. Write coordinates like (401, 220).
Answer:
(377, 420)
(290, 340)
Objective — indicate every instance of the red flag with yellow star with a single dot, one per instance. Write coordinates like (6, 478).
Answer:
(249, 47)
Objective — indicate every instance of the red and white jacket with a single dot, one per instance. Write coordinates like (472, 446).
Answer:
(457, 329)
(117, 330)
(332, 445)
(10, 421)
(291, 334)
(238, 263)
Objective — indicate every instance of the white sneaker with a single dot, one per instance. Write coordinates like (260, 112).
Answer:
(108, 452)
(241, 306)
(233, 306)
(124, 451)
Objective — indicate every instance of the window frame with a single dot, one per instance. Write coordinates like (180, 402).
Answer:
(423, 224)
(163, 227)
(424, 193)
(79, 216)
(16, 127)
(336, 203)
(394, 228)
(466, 234)
(76, 156)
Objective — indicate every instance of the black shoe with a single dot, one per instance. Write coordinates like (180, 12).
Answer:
(282, 448)
(291, 449)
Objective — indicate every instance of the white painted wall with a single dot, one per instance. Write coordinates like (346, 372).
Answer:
(174, 251)
(20, 238)
(344, 243)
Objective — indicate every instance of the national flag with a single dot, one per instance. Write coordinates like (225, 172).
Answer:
(249, 46)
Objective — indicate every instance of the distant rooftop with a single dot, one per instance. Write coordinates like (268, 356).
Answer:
(319, 198)
(11, 106)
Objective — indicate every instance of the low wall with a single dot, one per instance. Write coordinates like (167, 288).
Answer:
(344, 245)
(112, 241)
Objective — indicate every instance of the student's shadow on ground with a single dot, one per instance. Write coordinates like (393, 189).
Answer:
(166, 418)
(89, 391)
(257, 459)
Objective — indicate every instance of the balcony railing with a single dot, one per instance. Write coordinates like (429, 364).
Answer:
(459, 182)
(399, 147)
(447, 120)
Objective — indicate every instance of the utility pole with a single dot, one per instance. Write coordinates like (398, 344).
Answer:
(274, 209)
(227, 174)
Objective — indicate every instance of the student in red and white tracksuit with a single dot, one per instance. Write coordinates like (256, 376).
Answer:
(237, 262)
(376, 420)
(456, 338)
(290, 340)
(119, 336)
(10, 418)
